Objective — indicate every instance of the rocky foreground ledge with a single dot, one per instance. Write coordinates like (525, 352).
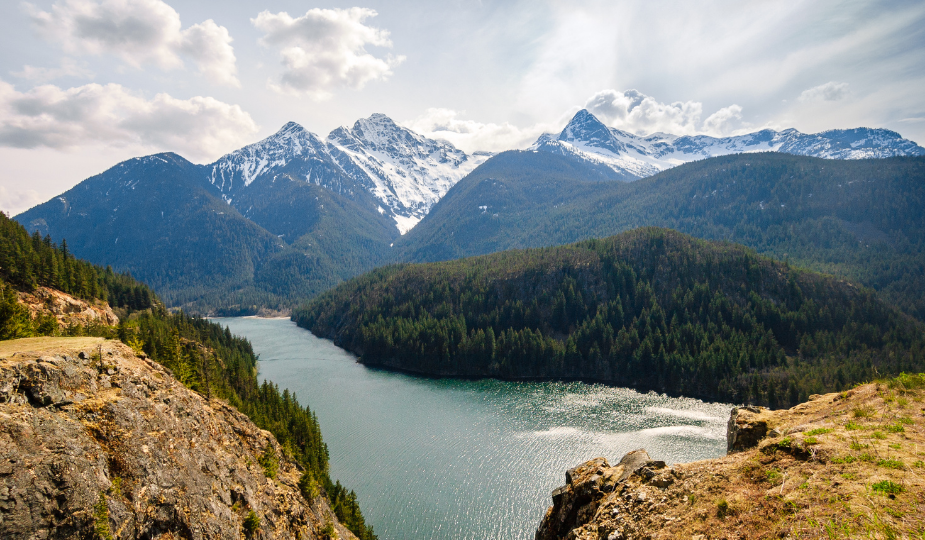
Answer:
(846, 465)
(113, 446)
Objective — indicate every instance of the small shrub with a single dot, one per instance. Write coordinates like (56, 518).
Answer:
(810, 440)
(269, 461)
(906, 382)
(101, 519)
(878, 435)
(863, 412)
(867, 458)
(896, 428)
(818, 431)
(851, 425)
(905, 420)
(773, 476)
(896, 446)
(723, 509)
(919, 464)
(890, 463)
(328, 532)
(309, 486)
(251, 523)
(887, 487)
(855, 445)
(845, 459)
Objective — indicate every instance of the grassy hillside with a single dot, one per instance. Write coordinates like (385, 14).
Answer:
(860, 220)
(651, 309)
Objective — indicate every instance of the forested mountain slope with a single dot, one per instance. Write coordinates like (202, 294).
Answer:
(161, 219)
(650, 309)
(860, 220)
(200, 354)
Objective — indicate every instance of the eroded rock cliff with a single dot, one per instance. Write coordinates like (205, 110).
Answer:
(95, 440)
(67, 309)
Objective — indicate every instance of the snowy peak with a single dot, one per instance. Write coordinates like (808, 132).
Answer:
(633, 156)
(406, 172)
(241, 168)
(586, 130)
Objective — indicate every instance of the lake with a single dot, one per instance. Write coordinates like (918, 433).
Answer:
(446, 459)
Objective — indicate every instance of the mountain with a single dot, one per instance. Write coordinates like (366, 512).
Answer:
(376, 163)
(264, 226)
(651, 309)
(858, 219)
(159, 218)
(632, 156)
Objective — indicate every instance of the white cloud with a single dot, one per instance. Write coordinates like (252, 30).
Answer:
(325, 49)
(469, 135)
(68, 68)
(48, 116)
(636, 112)
(139, 32)
(633, 111)
(830, 91)
(723, 121)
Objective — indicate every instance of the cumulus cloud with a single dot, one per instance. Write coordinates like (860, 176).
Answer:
(139, 32)
(723, 121)
(48, 116)
(68, 68)
(830, 91)
(325, 49)
(633, 111)
(469, 135)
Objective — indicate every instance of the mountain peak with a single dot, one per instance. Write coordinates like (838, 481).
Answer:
(586, 129)
(290, 127)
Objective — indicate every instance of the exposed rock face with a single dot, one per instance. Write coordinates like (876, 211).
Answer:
(747, 426)
(67, 309)
(848, 462)
(117, 442)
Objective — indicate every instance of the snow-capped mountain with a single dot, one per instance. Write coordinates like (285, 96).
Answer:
(633, 156)
(406, 172)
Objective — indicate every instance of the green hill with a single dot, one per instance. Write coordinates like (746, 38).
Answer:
(861, 220)
(651, 309)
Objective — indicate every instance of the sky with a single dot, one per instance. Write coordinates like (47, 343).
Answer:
(85, 84)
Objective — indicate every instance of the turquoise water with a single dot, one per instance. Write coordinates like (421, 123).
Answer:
(446, 459)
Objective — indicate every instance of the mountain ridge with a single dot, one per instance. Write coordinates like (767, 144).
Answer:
(585, 137)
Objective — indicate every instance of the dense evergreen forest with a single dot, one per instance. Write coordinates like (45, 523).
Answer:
(857, 219)
(201, 354)
(652, 309)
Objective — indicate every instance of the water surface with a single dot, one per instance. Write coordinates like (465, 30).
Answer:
(446, 459)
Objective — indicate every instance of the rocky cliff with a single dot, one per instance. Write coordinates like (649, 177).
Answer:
(67, 309)
(842, 465)
(96, 441)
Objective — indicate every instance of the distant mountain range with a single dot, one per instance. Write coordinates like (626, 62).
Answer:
(294, 214)
(633, 156)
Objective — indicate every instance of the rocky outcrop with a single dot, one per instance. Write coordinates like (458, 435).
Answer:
(112, 445)
(67, 309)
(847, 464)
(746, 427)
